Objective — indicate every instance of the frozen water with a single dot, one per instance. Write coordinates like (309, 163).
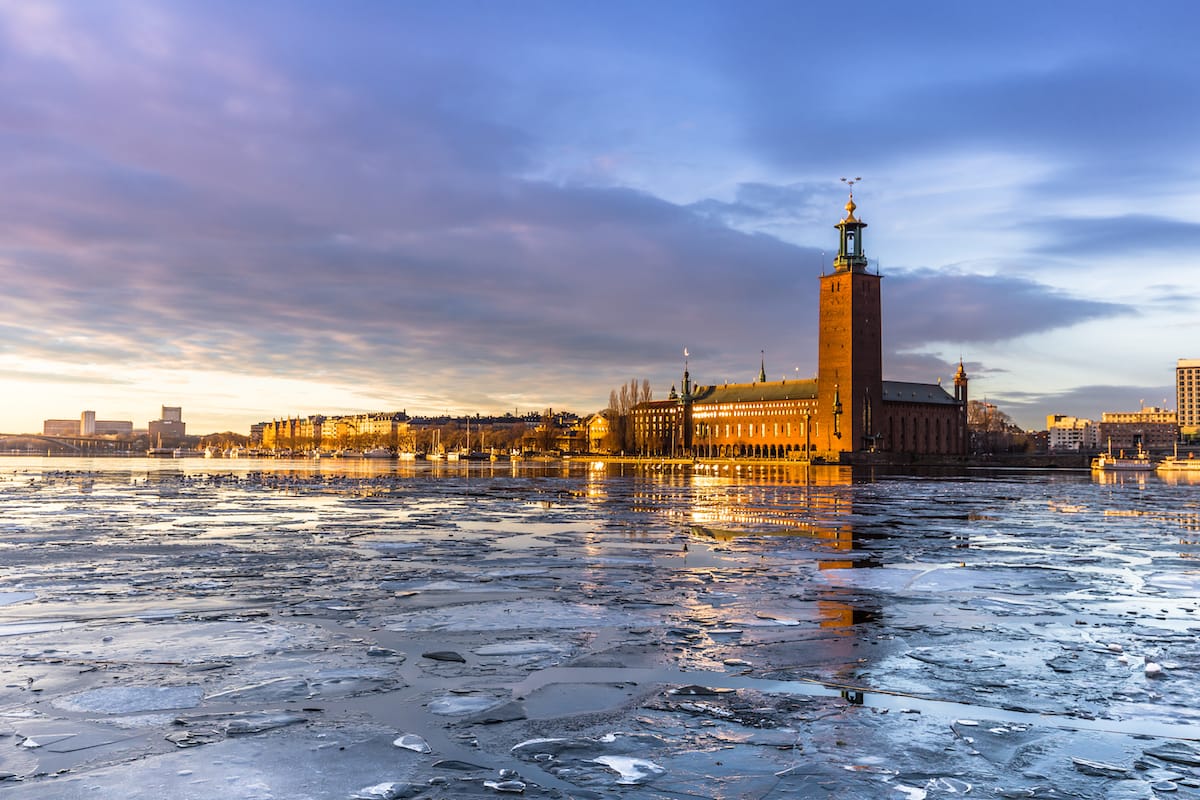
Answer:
(414, 742)
(531, 614)
(632, 771)
(461, 704)
(131, 699)
(519, 648)
(254, 630)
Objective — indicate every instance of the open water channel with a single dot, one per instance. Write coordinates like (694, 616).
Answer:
(352, 629)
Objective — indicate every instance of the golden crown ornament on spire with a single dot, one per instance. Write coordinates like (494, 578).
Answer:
(850, 203)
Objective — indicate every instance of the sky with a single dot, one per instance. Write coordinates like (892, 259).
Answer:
(256, 210)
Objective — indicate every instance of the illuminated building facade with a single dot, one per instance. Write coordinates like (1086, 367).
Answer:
(1187, 393)
(1071, 433)
(1152, 428)
(318, 430)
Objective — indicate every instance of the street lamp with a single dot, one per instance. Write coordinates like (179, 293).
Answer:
(837, 411)
(808, 435)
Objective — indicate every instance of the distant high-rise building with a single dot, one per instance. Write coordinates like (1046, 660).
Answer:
(1187, 392)
(170, 428)
(87, 423)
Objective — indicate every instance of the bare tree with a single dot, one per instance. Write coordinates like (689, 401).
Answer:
(621, 402)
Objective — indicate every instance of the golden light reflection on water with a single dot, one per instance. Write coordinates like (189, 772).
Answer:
(1188, 520)
(726, 507)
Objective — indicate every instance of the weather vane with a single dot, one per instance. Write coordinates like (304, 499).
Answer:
(850, 182)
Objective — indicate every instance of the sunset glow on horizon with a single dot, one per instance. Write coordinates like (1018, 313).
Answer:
(271, 209)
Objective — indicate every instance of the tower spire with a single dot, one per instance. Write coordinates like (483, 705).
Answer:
(960, 382)
(687, 381)
(850, 257)
(762, 367)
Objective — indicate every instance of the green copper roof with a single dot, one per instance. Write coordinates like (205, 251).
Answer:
(893, 392)
(753, 392)
(905, 392)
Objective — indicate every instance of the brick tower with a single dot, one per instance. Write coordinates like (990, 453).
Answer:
(849, 357)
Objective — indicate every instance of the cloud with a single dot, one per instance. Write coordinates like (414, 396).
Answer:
(1030, 409)
(1115, 236)
(965, 80)
(756, 204)
(923, 306)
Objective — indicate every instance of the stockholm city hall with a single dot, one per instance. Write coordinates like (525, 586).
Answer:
(847, 414)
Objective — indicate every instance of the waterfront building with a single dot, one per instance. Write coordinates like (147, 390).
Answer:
(169, 427)
(87, 425)
(1151, 428)
(1187, 394)
(318, 430)
(599, 427)
(847, 411)
(1071, 433)
(60, 427)
(561, 432)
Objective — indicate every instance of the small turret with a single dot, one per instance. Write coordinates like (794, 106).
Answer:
(960, 383)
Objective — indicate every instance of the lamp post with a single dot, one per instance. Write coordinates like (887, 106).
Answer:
(808, 436)
(837, 411)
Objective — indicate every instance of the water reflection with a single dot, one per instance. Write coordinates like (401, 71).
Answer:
(1116, 478)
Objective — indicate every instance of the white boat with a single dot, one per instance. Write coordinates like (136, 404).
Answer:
(412, 455)
(1107, 462)
(1174, 463)
(378, 452)
(437, 453)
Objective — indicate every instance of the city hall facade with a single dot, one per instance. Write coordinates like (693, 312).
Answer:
(845, 413)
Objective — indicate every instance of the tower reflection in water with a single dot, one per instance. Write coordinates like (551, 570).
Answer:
(798, 522)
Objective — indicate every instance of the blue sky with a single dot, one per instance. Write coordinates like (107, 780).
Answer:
(261, 209)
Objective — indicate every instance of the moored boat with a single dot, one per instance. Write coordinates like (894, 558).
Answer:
(1107, 462)
(1174, 463)
(378, 452)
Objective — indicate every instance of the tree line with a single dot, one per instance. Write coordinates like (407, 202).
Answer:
(621, 436)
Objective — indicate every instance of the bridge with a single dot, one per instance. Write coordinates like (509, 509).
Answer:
(37, 443)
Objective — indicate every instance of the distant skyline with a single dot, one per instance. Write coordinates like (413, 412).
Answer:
(260, 209)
